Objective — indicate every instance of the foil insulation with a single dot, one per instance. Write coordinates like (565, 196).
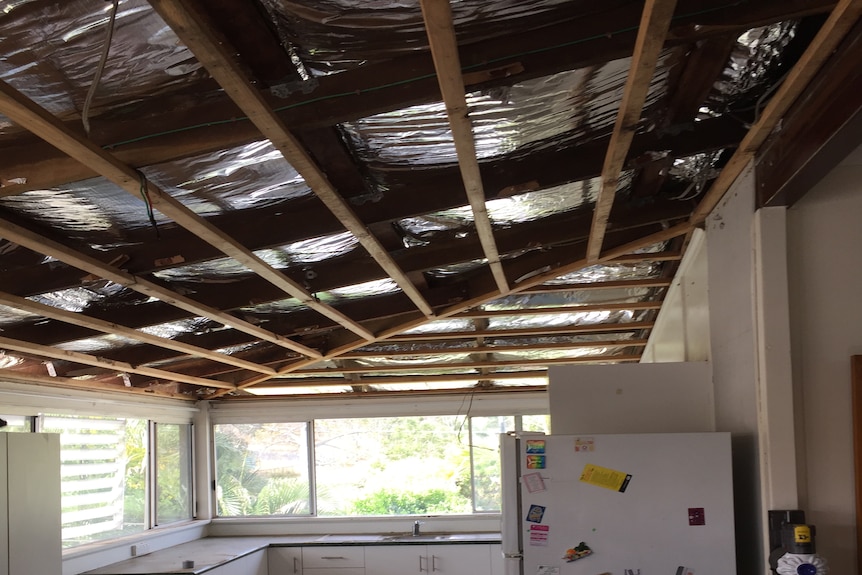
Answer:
(49, 51)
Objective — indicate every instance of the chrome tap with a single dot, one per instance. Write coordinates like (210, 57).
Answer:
(416, 525)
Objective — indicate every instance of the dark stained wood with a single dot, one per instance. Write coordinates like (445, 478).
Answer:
(413, 193)
(701, 67)
(217, 123)
(249, 29)
(823, 126)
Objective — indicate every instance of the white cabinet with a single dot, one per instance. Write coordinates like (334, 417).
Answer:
(252, 564)
(285, 560)
(464, 559)
(30, 540)
(320, 560)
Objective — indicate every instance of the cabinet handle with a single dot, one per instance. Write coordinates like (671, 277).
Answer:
(421, 569)
(334, 557)
(295, 565)
(433, 563)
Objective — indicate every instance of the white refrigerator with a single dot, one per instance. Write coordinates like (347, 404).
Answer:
(643, 504)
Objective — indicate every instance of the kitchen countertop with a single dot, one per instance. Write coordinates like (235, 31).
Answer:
(212, 552)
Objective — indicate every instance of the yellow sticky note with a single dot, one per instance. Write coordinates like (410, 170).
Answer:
(604, 477)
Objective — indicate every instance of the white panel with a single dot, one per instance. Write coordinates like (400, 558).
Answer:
(254, 564)
(631, 398)
(459, 559)
(34, 503)
(335, 571)
(681, 331)
(4, 507)
(332, 556)
(284, 560)
(395, 559)
(646, 526)
(824, 236)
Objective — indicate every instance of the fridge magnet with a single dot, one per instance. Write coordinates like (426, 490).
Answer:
(684, 570)
(535, 462)
(584, 444)
(539, 535)
(578, 552)
(547, 570)
(633, 572)
(535, 514)
(535, 446)
(696, 516)
(604, 477)
(533, 482)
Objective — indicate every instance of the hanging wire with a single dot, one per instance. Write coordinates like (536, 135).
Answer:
(145, 194)
(109, 34)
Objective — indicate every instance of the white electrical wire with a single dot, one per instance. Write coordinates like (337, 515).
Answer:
(88, 101)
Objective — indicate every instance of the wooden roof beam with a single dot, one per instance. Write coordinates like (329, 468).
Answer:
(217, 59)
(444, 49)
(34, 118)
(653, 29)
(103, 326)
(842, 18)
(91, 360)
(30, 240)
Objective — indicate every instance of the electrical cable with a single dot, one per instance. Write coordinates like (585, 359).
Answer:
(109, 34)
(145, 194)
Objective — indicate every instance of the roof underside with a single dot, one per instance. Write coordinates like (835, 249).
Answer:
(222, 198)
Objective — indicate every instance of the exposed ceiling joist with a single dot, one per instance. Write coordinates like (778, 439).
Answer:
(30, 240)
(215, 57)
(107, 327)
(655, 22)
(444, 49)
(86, 359)
(842, 18)
(27, 114)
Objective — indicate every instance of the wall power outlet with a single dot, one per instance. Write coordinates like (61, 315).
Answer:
(139, 549)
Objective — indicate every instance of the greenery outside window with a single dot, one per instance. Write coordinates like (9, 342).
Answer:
(173, 479)
(17, 423)
(373, 466)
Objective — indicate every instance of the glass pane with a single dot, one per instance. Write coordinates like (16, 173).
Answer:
(536, 423)
(17, 423)
(173, 473)
(485, 433)
(392, 466)
(103, 470)
(262, 469)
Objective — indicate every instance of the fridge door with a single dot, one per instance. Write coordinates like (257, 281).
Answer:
(647, 502)
(511, 531)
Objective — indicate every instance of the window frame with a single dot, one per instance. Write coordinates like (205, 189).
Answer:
(276, 411)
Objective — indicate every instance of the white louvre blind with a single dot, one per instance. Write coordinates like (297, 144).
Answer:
(94, 453)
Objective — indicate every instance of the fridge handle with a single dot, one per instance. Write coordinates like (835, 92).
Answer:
(509, 465)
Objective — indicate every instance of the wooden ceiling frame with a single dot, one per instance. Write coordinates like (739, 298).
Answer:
(669, 233)
(842, 18)
(469, 347)
(107, 327)
(48, 247)
(120, 367)
(27, 114)
(653, 29)
(444, 51)
(215, 56)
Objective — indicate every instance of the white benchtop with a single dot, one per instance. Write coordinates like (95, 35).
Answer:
(211, 552)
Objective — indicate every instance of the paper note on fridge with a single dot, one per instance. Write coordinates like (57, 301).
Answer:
(604, 477)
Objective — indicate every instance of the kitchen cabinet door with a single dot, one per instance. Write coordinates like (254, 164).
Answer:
(285, 560)
(254, 564)
(466, 559)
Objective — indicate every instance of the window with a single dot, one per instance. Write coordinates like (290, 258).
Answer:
(105, 476)
(103, 470)
(17, 423)
(262, 469)
(173, 472)
(373, 466)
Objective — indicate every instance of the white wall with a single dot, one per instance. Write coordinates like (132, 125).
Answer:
(631, 398)
(824, 241)
(729, 232)
(681, 331)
